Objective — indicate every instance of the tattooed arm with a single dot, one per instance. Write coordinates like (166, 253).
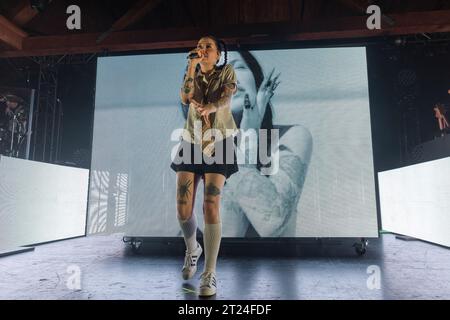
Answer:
(187, 89)
(223, 101)
(225, 98)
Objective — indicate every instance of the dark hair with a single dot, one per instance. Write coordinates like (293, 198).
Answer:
(255, 68)
(267, 121)
(221, 46)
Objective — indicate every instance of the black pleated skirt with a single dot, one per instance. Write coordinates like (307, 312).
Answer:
(221, 167)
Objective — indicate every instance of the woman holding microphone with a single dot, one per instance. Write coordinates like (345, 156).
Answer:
(207, 90)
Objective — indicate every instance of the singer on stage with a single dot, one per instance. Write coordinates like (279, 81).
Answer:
(207, 90)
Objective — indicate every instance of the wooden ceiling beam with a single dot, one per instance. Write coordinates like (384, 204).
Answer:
(358, 6)
(341, 28)
(10, 34)
(136, 13)
(23, 13)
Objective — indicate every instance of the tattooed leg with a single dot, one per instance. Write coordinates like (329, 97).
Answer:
(213, 188)
(184, 192)
(186, 188)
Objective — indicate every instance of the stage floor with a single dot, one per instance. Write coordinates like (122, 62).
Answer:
(109, 270)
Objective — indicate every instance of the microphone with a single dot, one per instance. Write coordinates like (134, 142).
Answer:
(193, 55)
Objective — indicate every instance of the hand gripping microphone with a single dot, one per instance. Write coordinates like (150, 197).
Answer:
(193, 55)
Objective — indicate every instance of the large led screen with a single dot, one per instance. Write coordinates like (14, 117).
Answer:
(323, 183)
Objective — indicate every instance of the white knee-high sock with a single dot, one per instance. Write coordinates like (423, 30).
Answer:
(189, 228)
(211, 243)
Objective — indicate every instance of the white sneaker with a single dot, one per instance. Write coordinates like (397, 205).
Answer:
(190, 263)
(208, 286)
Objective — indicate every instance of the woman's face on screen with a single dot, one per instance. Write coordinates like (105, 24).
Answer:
(246, 86)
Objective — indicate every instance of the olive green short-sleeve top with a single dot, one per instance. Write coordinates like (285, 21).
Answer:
(208, 88)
